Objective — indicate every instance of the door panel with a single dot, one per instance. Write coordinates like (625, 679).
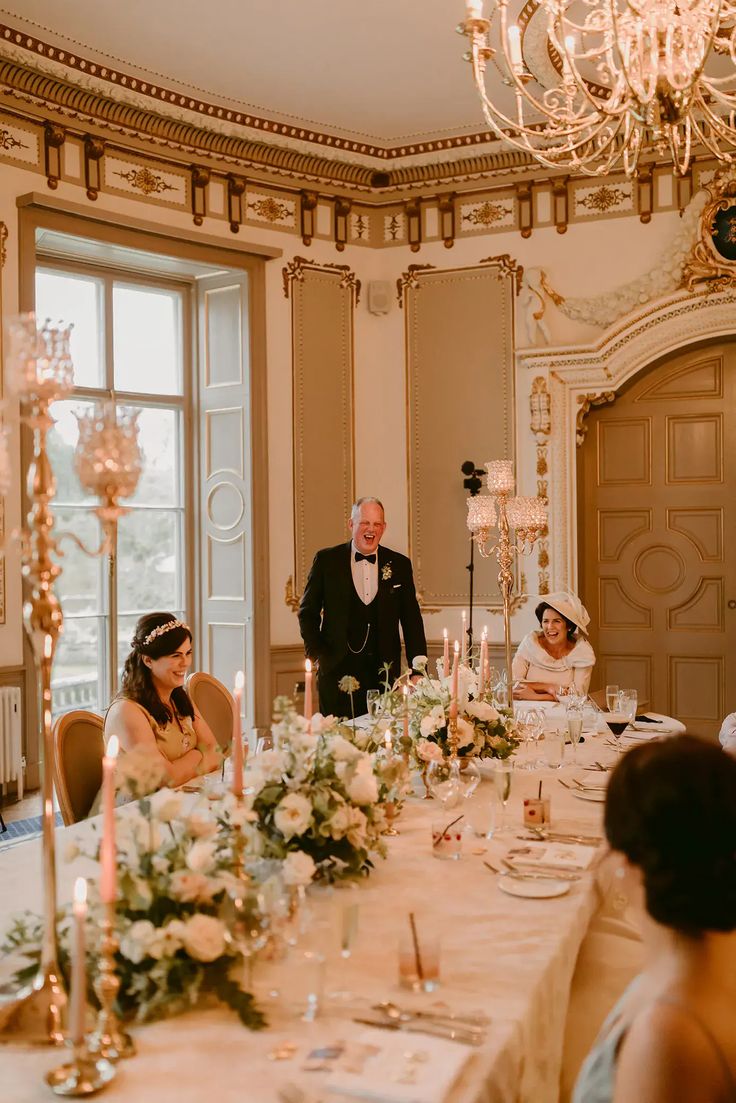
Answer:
(656, 496)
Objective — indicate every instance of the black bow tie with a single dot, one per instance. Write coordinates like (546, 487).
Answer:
(368, 558)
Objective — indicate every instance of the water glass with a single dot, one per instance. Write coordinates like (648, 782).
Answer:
(373, 703)
(306, 983)
(574, 729)
(447, 838)
(419, 965)
(481, 816)
(627, 702)
(348, 928)
(611, 698)
(554, 749)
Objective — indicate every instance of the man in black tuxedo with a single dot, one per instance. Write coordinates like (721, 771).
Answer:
(356, 596)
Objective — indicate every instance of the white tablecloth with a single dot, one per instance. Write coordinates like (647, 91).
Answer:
(512, 958)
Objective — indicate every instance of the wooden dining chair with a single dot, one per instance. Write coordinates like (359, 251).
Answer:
(216, 704)
(78, 750)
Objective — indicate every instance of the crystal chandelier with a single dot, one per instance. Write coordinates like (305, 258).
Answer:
(603, 81)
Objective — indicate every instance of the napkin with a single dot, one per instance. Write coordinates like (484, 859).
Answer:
(433, 1063)
(572, 856)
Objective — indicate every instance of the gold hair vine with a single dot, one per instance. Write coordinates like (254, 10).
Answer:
(162, 629)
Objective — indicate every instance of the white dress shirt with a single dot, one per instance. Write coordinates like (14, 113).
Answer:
(727, 734)
(365, 576)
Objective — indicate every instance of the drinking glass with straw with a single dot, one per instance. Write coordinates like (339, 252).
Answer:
(419, 961)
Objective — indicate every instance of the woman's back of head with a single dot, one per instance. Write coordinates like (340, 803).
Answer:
(671, 810)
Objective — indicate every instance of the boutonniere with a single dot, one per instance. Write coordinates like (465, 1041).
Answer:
(386, 572)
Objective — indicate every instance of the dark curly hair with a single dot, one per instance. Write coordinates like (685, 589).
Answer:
(571, 626)
(671, 809)
(137, 682)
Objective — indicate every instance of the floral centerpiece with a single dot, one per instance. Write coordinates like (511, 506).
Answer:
(483, 731)
(318, 793)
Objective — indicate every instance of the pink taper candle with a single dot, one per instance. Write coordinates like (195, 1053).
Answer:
(308, 692)
(453, 695)
(108, 855)
(238, 736)
(78, 994)
(483, 663)
(445, 654)
(464, 638)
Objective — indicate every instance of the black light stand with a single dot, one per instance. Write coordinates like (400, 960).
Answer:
(471, 483)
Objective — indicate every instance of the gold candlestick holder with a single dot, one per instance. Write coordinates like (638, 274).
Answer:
(108, 1039)
(85, 1074)
(391, 814)
(39, 372)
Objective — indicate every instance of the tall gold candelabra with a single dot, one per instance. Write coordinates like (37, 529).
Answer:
(39, 372)
(501, 509)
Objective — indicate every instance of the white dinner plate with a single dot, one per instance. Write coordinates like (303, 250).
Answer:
(534, 890)
(598, 795)
(593, 783)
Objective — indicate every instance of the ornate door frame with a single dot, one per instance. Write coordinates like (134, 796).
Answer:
(579, 377)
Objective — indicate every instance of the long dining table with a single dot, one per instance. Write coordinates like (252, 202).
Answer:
(510, 958)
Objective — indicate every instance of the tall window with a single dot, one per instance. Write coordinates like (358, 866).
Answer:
(129, 344)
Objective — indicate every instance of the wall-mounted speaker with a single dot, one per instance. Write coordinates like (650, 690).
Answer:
(379, 296)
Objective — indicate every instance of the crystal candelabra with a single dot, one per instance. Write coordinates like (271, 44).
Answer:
(501, 509)
(591, 86)
(39, 372)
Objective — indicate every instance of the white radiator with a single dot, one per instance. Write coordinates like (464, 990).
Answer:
(11, 738)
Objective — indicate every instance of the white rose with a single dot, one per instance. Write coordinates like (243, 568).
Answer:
(339, 822)
(298, 868)
(342, 750)
(293, 815)
(357, 832)
(189, 887)
(481, 710)
(429, 752)
(136, 941)
(170, 808)
(419, 662)
(201, 856)
(433, 721)
(465, 732)
(204, 938)
(363, 787)
(272, 764)
(199, 828)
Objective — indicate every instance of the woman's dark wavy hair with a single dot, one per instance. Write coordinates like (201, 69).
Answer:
(671, 809)
(137, 682)
(571, 626)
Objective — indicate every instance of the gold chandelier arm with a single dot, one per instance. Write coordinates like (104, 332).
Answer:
(104, 548)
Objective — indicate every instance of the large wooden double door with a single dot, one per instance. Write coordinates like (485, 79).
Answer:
(657, 518)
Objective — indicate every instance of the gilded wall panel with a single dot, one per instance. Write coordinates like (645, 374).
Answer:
(322, 304)
(460, 350)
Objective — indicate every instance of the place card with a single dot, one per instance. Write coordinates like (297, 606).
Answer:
(562, 856)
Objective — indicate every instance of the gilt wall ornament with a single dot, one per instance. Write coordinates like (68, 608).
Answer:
(712, 259)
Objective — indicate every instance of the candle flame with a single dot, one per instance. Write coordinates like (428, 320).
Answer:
(113, 746)
(308, 666)
(80, 890)
(444, 633)
(239, 680)
(457, 646)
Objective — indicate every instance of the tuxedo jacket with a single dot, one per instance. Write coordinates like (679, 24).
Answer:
(325, 607)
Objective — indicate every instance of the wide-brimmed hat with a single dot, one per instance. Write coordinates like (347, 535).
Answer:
(570, 606)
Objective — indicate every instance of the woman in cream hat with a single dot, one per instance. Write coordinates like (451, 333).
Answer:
(558, 655)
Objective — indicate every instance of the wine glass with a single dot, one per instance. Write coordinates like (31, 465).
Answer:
(502, 773)
(574, 728)
(526, 731)
(627, 702)
(611, 697)
(535, 720)
(245, 914)
(450, 780)
(617, 723)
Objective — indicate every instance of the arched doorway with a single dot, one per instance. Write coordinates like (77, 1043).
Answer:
(657, 522)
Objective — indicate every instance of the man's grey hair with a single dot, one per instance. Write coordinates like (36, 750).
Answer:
(362, 502)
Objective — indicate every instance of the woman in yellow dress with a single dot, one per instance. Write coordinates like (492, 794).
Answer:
(153, 710)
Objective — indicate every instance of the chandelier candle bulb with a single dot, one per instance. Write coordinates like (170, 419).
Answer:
(514, 40)
(108, 855)
(453, 693)
(464, 638)
(500, 477)
(78, 998)
(483, 663)
(474, 9)
(308, 692)
(445, 654)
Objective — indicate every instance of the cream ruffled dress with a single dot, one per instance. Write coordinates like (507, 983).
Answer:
(533, 664)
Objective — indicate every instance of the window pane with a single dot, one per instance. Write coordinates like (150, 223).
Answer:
(149, 561)
(160, 482)
(81, 584)
(62, 441)
(77, 678)
(77, 299)
(147, 340)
